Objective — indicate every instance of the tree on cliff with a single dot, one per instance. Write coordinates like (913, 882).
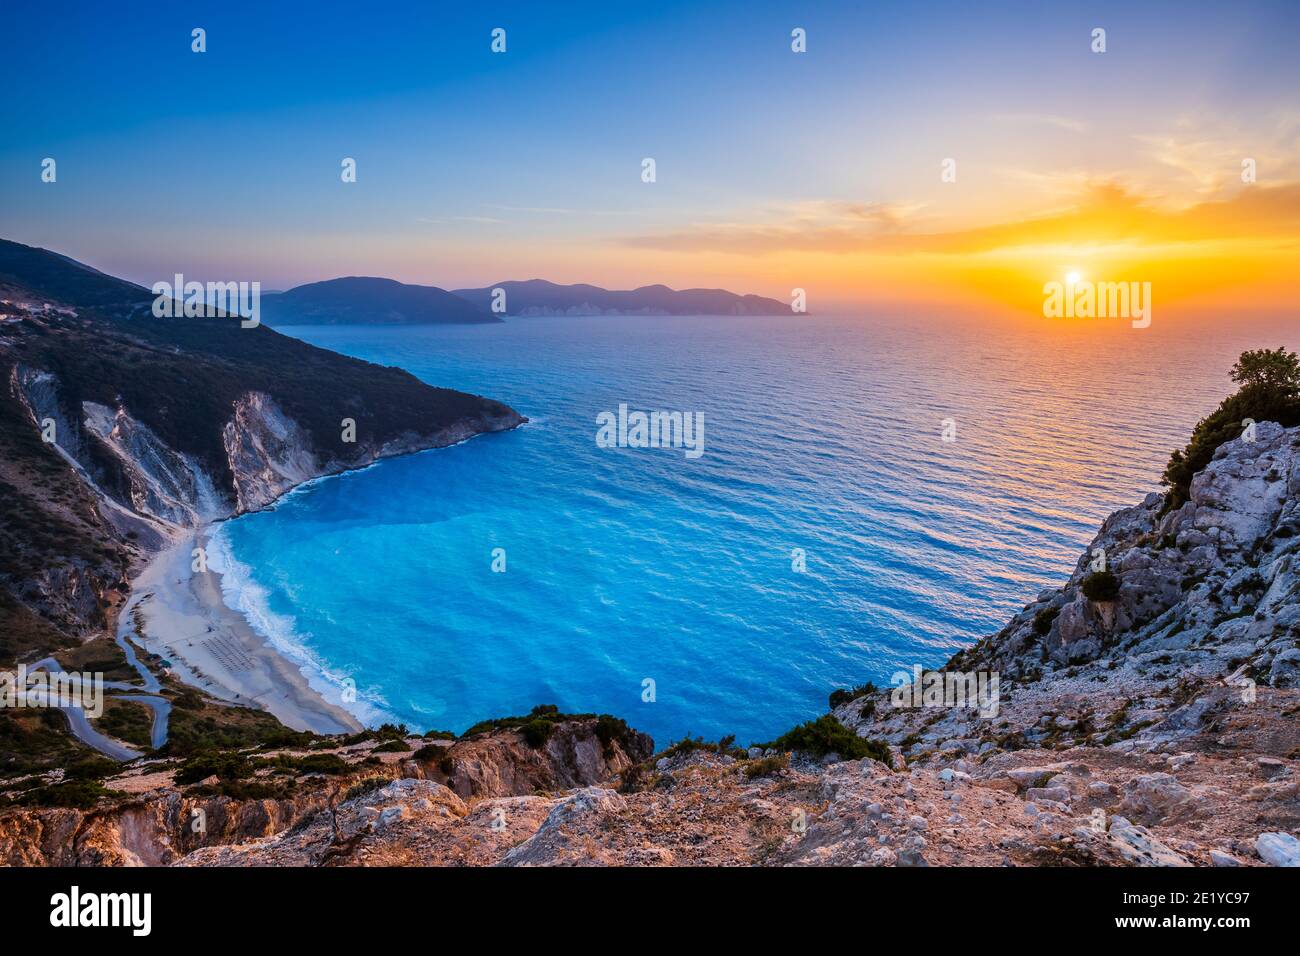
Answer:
(1269, 369)
(1269, 392)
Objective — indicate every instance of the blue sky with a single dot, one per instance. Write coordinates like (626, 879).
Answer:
(475, 167)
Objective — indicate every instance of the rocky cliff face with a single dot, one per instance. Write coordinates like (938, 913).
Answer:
(158, 482)
(268, 453)
(154, 830)
(1214, 581)
(320, 821)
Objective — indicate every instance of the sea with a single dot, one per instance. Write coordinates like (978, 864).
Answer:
(871, 492)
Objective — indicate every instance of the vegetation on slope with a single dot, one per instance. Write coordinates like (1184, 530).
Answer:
(1269, 392)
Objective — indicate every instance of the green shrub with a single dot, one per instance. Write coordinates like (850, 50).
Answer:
(826, 735)
(537, 731)
(91, 768)
(1101, 586)
(1043, 620)
(364, 786)
(545, 712)
(225, 766)
(82, 794)
(842, 696)
(430, 752)
(188, 700)
(766, 766)
(331, 764)
(689, 744)
(392, 747)
(610, 729)
(253, 789)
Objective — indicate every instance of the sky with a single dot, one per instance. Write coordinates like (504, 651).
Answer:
(821, 170)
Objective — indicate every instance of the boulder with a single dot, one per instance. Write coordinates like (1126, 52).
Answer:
(1278, 849)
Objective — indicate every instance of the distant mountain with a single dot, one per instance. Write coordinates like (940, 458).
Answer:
(362, 300)
(539, 297)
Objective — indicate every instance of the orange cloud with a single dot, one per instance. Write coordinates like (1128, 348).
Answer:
(1108, 214)
(1245, 248)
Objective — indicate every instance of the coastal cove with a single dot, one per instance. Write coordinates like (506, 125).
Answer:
(181, 616)
(625, 565)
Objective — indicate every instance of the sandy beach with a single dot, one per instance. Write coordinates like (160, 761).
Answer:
(212, 647)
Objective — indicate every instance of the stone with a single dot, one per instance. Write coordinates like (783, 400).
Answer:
(1270, 766)
(1054, 794)
(1285, 671)
(1278, 849)
(1137, 846)
(1154, 796)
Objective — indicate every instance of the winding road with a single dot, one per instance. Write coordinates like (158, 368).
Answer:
(146, 692)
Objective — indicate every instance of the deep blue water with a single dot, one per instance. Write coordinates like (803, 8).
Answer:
(821, 433)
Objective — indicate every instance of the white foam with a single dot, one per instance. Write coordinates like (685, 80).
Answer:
(243, 594)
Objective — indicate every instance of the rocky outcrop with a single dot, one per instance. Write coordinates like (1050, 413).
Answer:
(1209, 582)
(162, 824)
(706, 809)
(268, 452)
(156, 830)
(161, 483)
(504, 764)
(38, 391)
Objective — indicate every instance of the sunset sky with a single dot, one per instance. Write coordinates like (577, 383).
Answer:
(774, 169)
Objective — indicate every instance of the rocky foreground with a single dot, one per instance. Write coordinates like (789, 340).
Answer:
(1147, 716)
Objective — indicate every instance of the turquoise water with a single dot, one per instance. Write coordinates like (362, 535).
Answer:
(627, 564)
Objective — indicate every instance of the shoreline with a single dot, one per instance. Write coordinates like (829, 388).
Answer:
(210, 646)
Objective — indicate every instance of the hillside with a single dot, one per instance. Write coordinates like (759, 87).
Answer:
(159, 425)
(539, 297)
(357, 300)
(39, 276)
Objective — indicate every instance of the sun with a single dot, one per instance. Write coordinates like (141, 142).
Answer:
(1073, 276)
